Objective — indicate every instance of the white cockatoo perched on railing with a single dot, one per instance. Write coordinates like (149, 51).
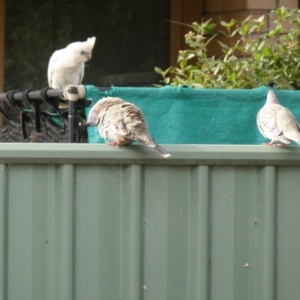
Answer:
(66, 66)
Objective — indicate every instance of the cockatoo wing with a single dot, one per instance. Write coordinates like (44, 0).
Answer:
(53, 59)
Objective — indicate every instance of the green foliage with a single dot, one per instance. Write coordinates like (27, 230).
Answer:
(252, 56)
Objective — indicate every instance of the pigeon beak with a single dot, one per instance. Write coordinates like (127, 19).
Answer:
(82, 128)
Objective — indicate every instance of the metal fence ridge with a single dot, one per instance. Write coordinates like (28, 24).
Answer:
(18, 153)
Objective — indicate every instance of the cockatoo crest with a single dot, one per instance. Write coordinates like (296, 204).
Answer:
(82, 50)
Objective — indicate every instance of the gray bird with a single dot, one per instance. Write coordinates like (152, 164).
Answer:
(276, 122)
(122, 123)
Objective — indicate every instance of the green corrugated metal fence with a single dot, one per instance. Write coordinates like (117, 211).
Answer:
(97, 222)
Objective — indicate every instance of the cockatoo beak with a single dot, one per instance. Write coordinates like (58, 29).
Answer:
(88, 55)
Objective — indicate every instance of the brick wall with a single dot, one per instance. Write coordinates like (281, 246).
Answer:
(226, 10)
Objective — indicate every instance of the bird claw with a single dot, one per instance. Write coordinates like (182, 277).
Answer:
(112, 144)
(274, 144)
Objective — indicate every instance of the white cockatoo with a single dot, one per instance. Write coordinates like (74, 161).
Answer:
(66, 66)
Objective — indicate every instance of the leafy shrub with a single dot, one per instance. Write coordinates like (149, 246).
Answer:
(252, 57)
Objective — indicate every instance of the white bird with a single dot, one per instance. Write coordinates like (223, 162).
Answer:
(276, 122)
(122, 123)
(66, 66)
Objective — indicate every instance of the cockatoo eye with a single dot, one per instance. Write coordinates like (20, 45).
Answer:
(82, 52)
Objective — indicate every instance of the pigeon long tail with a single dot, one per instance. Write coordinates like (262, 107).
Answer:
(161, 151)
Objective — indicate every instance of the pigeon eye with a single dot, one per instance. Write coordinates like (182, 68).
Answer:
(81, 52)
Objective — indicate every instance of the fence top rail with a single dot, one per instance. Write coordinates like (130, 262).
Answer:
(95, 154)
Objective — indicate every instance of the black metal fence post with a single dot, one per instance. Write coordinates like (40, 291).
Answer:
(72, 122)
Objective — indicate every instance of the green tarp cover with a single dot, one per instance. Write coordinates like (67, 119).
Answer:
(197, 116)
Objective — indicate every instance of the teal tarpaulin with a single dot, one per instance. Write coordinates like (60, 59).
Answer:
(197, 116)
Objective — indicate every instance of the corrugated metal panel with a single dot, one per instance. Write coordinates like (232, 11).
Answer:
(95, 222)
